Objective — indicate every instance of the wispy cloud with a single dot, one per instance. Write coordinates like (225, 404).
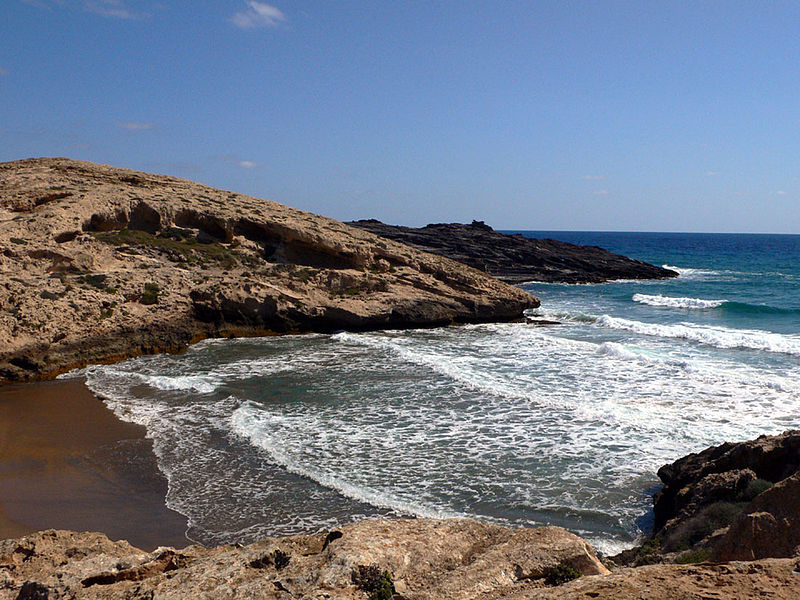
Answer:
(258, 14)
(136, 125)
(593, 177)
(601, 192)
(712, 173)
(781, 192)
(111, 8)
(114, 9)
(247, 164)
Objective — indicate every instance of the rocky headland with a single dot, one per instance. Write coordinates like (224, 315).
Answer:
(517, 259)
(99, 263)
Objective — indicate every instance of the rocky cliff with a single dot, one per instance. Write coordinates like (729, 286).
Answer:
(99, 263)
(517, 259)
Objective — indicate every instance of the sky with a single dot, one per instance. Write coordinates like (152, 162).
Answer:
(550, 115)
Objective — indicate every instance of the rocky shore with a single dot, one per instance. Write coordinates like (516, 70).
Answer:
(99, 263)
(515, 258)
(735, 501)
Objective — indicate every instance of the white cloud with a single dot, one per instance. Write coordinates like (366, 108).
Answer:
(593, 177)
(247, 164)
(781, 192)
(258, 14)
(115, 9)
(601, 192)
(110, 8)
(136, 126)
(712, 173)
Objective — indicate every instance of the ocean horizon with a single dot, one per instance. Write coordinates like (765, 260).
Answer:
(510, 423)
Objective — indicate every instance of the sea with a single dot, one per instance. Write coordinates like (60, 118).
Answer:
(509, 423)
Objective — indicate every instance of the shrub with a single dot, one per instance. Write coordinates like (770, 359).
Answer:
(693, 556)
(377, 584)
(150, 295)
(560, 574)
(703, 524)
(754, 488)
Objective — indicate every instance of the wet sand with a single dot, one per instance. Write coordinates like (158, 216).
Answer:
(66, 462)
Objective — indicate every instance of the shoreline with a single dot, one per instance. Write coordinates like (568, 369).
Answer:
(67, 462)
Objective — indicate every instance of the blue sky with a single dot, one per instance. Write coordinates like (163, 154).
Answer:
(603, 115)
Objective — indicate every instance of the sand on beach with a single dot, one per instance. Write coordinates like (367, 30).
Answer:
(66, 462)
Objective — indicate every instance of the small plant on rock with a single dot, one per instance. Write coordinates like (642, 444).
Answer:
(692, 557)
(377, 584)
(560, 574)
(150, 295)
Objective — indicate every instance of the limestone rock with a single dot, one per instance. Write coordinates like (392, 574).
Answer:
(134, 263)
(428, 558)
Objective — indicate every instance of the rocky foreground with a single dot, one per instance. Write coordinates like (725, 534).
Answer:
(377, 560)
(515, 258)
(99, 263)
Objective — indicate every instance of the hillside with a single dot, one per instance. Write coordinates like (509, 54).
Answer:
(99, 263)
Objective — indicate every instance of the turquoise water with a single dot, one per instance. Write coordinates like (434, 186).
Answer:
(510, 423)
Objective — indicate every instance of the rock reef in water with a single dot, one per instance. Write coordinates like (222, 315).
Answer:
(515, 258)
(99, 263)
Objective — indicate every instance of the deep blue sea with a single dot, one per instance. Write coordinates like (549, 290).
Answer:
(510, 423)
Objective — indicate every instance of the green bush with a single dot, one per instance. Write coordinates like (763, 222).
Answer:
(693, 556)
(754, 488)
(150, 295)
(703, 524)
(560, 574)
(377, 584)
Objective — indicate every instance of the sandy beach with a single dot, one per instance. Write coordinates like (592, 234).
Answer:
(66, 462)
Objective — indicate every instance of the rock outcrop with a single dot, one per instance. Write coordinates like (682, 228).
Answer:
(423, 559)
(99, 263)
(515, 258)
(735, 501)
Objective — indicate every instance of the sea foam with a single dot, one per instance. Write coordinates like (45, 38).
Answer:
(669, 302)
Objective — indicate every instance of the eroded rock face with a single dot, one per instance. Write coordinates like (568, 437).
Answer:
(99, 263)
(735, 501)
(517, 259)
(769, 526)
(427, 559)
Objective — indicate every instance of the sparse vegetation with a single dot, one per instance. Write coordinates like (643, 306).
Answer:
(180, 245)
(373, 581)
(754, 488)
(560, 574)
(97, 280)
(693, 556)
(150, 295)
(703, 524)
(18, 241)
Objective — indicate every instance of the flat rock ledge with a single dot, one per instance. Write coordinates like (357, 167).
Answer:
(99, 263)
(515, 258)
(414, 559)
